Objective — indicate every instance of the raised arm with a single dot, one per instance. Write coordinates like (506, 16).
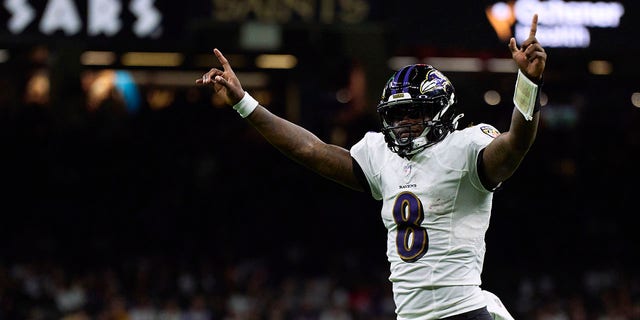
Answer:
(502, 157)
(297, 143)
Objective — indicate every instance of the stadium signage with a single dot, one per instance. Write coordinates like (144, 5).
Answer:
(561, 23)
(103, 17)
(283, 11)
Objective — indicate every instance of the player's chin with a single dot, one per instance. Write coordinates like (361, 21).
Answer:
(407, 133)
(404, 133)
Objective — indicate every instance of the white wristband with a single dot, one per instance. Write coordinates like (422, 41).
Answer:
(524, 96)
(246, 105)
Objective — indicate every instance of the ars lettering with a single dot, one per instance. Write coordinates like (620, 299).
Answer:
(103, 17)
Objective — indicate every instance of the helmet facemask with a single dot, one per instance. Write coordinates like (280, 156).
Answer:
(411, 126)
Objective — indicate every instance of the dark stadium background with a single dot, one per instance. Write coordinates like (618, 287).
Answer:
(169, 191)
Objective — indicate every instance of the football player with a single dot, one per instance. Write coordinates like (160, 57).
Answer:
(436, 182)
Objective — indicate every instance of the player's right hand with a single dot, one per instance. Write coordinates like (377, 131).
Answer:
(225, 82)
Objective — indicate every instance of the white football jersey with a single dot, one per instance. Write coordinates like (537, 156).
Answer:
(434, 207)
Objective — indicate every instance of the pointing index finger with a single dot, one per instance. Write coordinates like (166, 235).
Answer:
(534, 26)
(223, 61)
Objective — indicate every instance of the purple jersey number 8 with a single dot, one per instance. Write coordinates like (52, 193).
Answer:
(411, 239)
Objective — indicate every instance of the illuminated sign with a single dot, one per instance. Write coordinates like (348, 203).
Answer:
(103, 17)
(560, 23)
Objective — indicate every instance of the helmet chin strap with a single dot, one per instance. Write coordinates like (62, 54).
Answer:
(418, 142)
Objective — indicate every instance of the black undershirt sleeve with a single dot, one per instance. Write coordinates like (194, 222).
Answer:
(357, 171)
(482, 174)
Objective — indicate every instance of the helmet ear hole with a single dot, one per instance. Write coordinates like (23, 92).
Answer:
(423, 87)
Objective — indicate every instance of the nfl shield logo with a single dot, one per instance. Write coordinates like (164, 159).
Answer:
(407, 169)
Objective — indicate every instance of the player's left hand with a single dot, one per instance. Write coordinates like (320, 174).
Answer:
(531, 57)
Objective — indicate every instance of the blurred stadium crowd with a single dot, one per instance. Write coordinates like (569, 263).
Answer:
(162, 288)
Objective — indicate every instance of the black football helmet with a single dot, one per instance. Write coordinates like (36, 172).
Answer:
(417, 91)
